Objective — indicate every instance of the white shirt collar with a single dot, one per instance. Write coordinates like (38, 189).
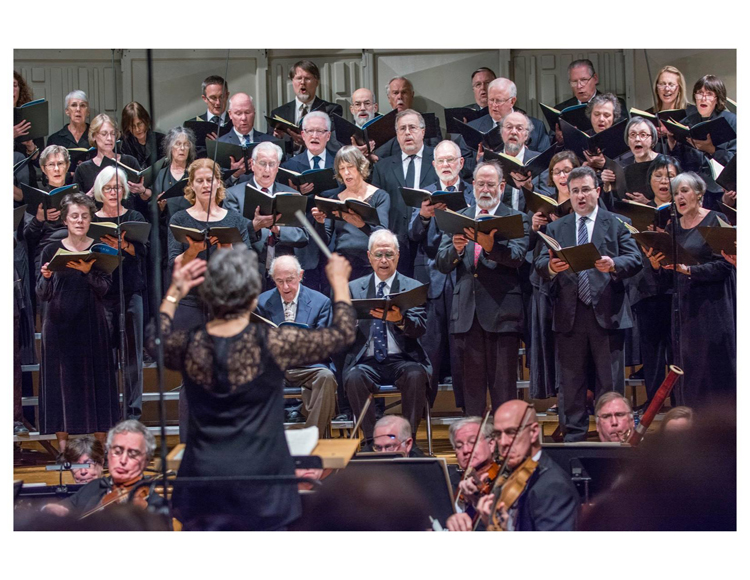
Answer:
(322, 156)
(256, 185)
(405, 156)
(210, 115)
(491, 211)
(388, 283)
(591, 216)
(298, 106)
(520, 155)
(444, 186)
(295, 301)
(250, 134)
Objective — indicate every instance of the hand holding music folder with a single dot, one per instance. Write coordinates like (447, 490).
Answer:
(322, 179)
(203, 128)
(134, 231)
(579, 258)
(404, 300)
(134, 175)
(611, 142)
(52, 200)
(490, 140)
(538, 202)
(225, 235)
(533, 167)
(454, 200)
(721, 239)
(106, 258)
(34, 112)
(661, 243)
(575, 115)
(720, 130)
(508, 227)
(282, 206)
(333, 207)
(380, 129)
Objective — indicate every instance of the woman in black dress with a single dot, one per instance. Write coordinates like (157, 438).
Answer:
(233, 374)
(349, 236)
(111, 189)
(705, 330)
(77, 390)
(103, 135)
(640, 135)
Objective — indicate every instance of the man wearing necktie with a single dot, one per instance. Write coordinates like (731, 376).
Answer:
(487, 309)
(387, 352)
(423, 230)
(214, 92)
(591, 308)
(242, 113)
(290, 301)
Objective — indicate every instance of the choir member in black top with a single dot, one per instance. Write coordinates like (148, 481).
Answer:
(605, 110)
(705, 330)
(541, 351)
(670, 93)
(111, 189)
(23, 94)
(233, 375)
(77, 390)
(103, 135)
(348, 236)
(43, 229)
(76, 133)
(640, 135)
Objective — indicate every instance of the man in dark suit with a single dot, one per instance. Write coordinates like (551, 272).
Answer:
(487, 309)
(480, 80)
(318, 154)
(292, 302)
(550, 501)
(242, 115)
(268, 240)
(424, 232)
(305, 78)
(215, 93)
(387, 352)
(502, 96)
(412, 167)
(590, 309)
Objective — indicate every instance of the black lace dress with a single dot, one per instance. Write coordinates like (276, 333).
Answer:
(234, 387)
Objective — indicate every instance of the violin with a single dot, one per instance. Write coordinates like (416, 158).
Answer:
(510, 489)
(484, 485)
(119, 494)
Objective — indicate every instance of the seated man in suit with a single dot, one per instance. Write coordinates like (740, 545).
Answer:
(215, 93)
(487, 309)
(411, 167)
(502, 96)
(550, 501)
(305, 78)
(268, 240)
(242, 114)
(292, 302)
(393, 434)
(590, 309)
(480, 81)
(614, 418)
(423, 231)
(389, 352)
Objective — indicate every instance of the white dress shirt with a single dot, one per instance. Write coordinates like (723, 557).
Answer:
(322, 156)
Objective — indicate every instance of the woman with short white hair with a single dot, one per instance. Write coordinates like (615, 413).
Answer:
(76, 133)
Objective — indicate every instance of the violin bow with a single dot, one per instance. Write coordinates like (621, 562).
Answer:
(469, 469)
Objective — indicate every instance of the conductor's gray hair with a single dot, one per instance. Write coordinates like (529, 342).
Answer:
(77, 94)
(232, 282)
(460, 424)
(286, 258)
(692, 180)
(267, 147)
(382, 235)
(401, 423)
(133, 426)
(317, 115)
(105, 176)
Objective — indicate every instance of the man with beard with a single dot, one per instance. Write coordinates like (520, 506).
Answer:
(305, 78)
(364, 108)
(423, 230)
(501, 98)
(487, 308)
(514, 129)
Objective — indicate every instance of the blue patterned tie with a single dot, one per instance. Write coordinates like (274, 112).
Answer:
(316, 162)
(379, 334)
(584, 288)
(451, 188)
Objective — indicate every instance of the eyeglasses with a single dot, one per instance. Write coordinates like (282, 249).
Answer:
(559, 172)
(105, 134)
(56, 164)
(470, 443)
(387, 255)
(360, 104)
(583, 190)
(483, 184)
(705, 96)
(117, 451)
(393, 445)
(608, 416)
(215, 98)
(498, 102)
(642, 135)
(510, 432)
(110, 188)
(517, 128)
(305, 79)
(181, 146)
(315, 131)
(580, 82)
(404, 128)
(671, 86)
(267, 164)
(446, 161)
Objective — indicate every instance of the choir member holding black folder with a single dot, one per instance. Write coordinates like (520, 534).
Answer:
(74, 135)
(102, 134)
(640, 135)
(77, 391)
(346, 232)
(111, 189)
(706, 329)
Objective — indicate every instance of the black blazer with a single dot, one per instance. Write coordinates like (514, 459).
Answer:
(389, 175)
(492, 290)
(538, 139)
(550, 501)
(204, 117)
(406, 338)
(232, 137)
(287, 110)
(608, 292)
(300, 163)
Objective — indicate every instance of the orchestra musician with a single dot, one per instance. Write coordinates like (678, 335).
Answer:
(614, 418)
(130, 447)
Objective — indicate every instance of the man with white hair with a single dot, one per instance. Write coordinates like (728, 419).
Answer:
(501, 98)
(387, 352)
(487, 308)
(268, 240)
(290, 301)
(242, 113)
(514, 130)
(423, 231)
(364, 106)
(393, 434)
